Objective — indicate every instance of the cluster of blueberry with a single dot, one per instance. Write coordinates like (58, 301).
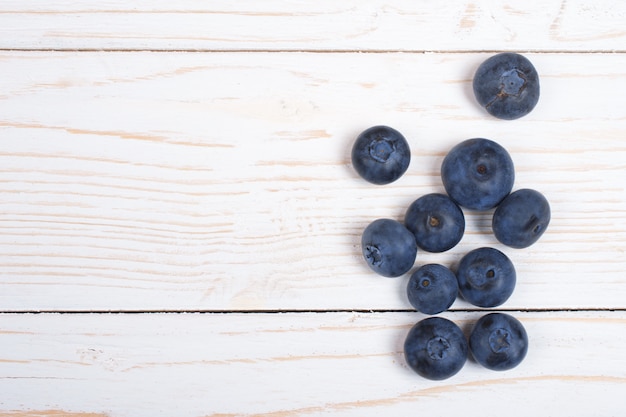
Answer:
(477, 174)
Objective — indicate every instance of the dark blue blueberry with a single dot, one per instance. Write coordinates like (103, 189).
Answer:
(435, 348)
(498, 341)
(478, 173)
(432, 289)
(486, 277)
(436, 221)
(507, 86)
(388, 247)
(381, 155)
(521, 218)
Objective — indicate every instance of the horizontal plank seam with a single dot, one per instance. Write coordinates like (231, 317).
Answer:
(308, 311)
(321, 51)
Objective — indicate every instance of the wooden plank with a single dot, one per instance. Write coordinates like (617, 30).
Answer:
(295, 364)
(456, 25)
(191, 181)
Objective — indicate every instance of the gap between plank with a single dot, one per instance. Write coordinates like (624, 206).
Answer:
(318, 51)
(362, 311)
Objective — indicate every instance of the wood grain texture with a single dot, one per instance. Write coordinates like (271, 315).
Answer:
(49, 413)
(295, 364)
(171, 181)
(194, 156)
(458, 25)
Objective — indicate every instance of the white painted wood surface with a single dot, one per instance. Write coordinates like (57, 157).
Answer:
(150, 181)
(567, 25)
(194, 157)
(298, 364)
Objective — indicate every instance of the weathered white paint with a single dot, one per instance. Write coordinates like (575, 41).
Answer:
(296, 364)
(223, 181)
(458, 25)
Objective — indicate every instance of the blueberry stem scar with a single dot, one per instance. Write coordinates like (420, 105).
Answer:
(381, 150)
(503, 89)
(438, 347)
(373, 253)
(499, 340)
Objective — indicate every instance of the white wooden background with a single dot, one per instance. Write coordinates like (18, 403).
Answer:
(180, 222)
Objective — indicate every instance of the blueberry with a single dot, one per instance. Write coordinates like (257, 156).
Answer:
(436, 221)
(478, 173)
(498, 341)
(381, 155)
(435, 348)
(486, 277)
(432, 289)
(388, 247)
(521, 218)
(507, 86)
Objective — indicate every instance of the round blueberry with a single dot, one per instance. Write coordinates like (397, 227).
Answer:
(521, 218)
(507, 86)
(498, 341)
(486, 277)
(381, 155)
(432, 289)
(388, 247)
(435, 348)
(478, 173)
(436, 221)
